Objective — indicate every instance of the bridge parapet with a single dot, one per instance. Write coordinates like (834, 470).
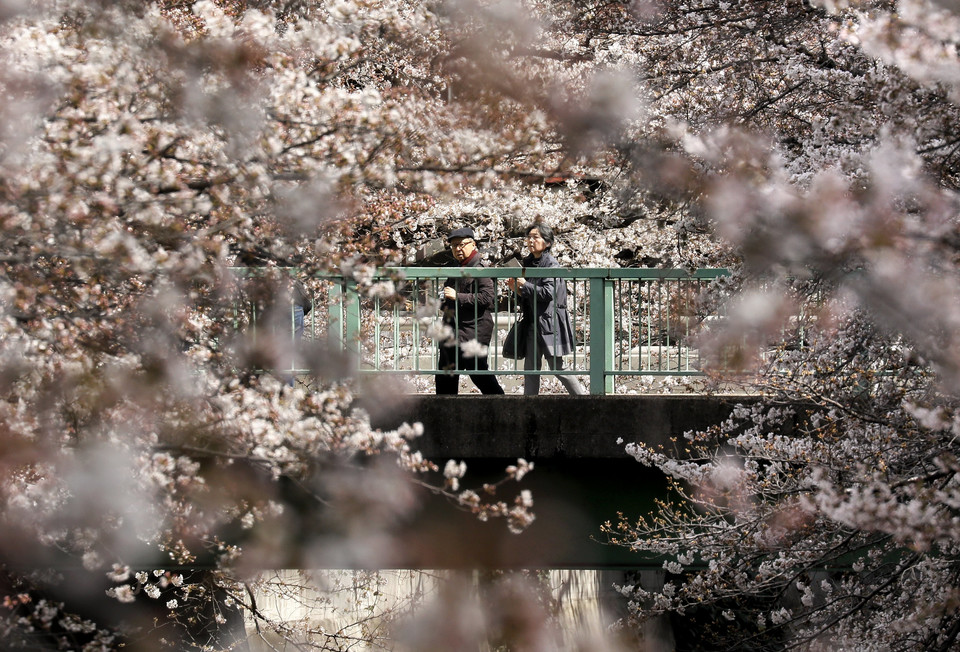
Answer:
(627, 322)
(551, 427)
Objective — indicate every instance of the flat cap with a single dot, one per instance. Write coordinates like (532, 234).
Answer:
(462, 232)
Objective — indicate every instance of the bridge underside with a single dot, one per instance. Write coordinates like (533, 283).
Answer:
(582, 476)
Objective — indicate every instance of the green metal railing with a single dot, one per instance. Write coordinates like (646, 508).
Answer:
(627, 322)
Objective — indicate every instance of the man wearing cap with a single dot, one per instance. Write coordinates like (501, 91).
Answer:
(467, 306)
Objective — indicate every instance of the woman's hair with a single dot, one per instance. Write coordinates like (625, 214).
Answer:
(545, 232)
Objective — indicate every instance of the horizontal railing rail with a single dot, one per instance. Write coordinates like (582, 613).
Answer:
(626, 322)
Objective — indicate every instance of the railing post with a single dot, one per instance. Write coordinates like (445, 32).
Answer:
(601, 336)
(344, 316)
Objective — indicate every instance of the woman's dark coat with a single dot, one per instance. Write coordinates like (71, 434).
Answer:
(545, 299)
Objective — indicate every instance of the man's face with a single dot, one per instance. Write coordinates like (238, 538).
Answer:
(462, 248)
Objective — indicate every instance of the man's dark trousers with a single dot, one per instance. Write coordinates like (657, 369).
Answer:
(452, 363)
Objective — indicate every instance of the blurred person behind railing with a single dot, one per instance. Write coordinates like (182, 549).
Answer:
(545, 329)
(278, 305)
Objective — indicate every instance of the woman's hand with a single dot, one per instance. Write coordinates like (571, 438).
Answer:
(449, 293)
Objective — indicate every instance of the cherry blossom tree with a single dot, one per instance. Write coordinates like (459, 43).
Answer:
(823, 515)
(149, 150)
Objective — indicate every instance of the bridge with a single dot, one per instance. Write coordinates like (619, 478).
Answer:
(632, 325)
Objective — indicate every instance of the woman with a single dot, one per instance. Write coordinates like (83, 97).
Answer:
(545, 324)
